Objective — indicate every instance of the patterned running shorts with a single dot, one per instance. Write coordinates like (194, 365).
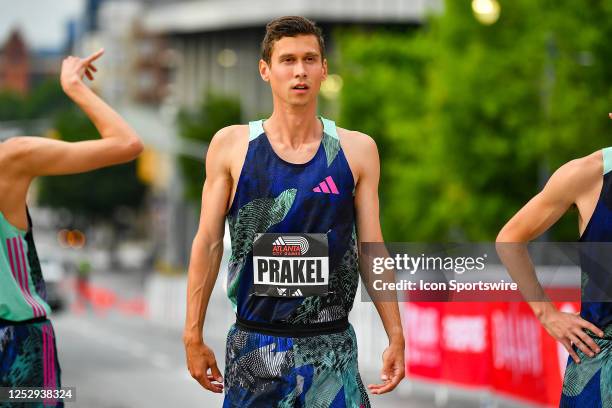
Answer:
(589, 384)
(319, 371)
(28, 358)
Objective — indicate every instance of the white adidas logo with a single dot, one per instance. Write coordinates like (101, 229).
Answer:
(297, 292)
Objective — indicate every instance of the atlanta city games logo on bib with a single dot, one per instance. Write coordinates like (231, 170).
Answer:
(290, 265)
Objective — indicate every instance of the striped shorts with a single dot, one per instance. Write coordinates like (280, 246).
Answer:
(28, 358)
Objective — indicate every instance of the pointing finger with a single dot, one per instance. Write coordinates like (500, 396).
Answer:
(93, 56)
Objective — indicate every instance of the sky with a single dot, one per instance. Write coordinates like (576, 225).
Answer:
(42, 22)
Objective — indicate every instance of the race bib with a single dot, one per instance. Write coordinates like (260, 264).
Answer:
(290, 265)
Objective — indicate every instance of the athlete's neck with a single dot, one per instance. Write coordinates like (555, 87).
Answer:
(294, 128)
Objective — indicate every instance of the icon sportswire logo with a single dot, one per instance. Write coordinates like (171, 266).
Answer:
(327, 186)
(290, 245)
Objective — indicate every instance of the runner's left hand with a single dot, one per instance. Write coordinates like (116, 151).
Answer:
(392, 371)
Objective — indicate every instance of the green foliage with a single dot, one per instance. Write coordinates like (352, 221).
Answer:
(94, 194)
(213, 114)
(471, 119)
(42, 101)
(11, 106)
(46, 99)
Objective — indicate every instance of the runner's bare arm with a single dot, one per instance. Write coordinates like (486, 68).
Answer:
(542, 211)
(367, 169)
(37, 156)
(565, 187)
(206, 253)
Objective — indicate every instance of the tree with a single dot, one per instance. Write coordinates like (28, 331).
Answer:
(46, 99)
(214, 113)
(97, 194)
(11, 106)
(471, 119)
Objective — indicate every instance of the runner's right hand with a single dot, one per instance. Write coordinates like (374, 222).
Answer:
(200, 358)
(73, 69)
(568, 328)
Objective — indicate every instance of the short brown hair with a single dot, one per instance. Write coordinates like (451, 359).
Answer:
(289, 26)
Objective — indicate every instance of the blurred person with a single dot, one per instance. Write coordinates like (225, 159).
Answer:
(291, 183)
(586, 183)
(83, 272)
(28, 354)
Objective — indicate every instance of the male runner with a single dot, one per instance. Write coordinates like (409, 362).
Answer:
(28, 354)
(299, 194)
(586, 183)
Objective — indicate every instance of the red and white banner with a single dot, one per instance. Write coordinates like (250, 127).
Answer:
(500, 346)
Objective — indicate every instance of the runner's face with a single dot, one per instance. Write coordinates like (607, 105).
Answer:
(296, 70)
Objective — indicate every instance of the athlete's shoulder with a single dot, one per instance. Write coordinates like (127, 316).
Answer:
(230, 134)
(357, 141)
(354, 136)
(583, 168)
(14, 150)
(228, 138)
(360, 151)
(577, 176)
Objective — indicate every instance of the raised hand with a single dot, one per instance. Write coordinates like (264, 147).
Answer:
(73, 69)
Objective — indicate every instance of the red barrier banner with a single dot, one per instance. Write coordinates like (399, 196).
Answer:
(498, 346)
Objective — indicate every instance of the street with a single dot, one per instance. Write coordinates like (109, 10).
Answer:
(119, 355)
(117, 361)
(124, 362)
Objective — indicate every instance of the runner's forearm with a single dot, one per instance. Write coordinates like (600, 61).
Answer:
(387, 308)
(517, 261)
(203, 271)
(540, 309)
(512, 251)
(108, 122)
(390, 316)
(386, 304)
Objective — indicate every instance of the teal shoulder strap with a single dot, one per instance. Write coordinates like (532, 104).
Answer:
(255, 129)
(329, 127)
(607, 159)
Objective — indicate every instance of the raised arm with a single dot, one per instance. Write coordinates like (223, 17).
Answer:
(37, 156)
(206, 253)
(570, 184)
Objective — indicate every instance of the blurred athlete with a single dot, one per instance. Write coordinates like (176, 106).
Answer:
(586, 183)
(28, 356)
